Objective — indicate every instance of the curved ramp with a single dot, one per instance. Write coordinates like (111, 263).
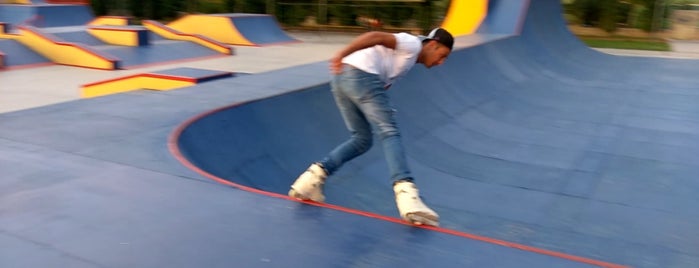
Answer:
(534, 139)
(235, 29)
(464, 16)
(504, 17)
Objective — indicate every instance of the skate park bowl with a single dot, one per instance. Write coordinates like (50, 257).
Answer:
(536, 151)
(533, 139)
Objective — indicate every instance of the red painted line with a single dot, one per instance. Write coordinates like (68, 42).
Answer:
(170, 77)
(114, 28)
(175, 151)
(86, 67)
(111, 80)
(151, 75)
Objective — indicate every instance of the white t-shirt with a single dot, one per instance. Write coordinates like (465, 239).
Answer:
(388, 64)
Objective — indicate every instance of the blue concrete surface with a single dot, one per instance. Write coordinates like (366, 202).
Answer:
(533, 139)
(81, 35)
(19, 55)
(504, 17)
(63, 15)
(14, 14)
(91, 184)
(78, 36)
(46, 15)
(158, 52)
(259, 29)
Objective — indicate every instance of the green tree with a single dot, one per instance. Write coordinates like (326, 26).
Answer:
(100, 7)
(254, 6)
(608, 16)
(136, 8)
(587, 11)
(229, 5)
(343, 12)
(653, 13)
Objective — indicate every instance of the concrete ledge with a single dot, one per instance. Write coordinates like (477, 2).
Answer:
(121, 35)
(159, 80)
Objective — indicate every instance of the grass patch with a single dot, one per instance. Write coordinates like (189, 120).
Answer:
(622, 43)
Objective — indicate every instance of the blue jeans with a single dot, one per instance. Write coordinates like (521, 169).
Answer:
(363, 103)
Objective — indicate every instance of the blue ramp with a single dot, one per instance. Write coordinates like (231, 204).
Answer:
(534, 139)
(259, 29)
(159, 52)
(77, 34)
(504, 17)
(17, 54)
(62, 15)
(46, 15)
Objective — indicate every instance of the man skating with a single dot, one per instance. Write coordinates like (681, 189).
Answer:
(362, 72)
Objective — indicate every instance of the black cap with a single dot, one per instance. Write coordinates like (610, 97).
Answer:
(442, 36)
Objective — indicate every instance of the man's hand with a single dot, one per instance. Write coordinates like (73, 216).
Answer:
(336, 64)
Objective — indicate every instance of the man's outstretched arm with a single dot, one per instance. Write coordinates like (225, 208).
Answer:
(363, 41)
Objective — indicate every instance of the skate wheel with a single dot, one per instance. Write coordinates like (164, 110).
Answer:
(294, 194)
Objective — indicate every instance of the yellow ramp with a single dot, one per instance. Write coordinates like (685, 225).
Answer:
(464, 16)
(134, 82)
(110, 20)
(216, 27)
(173, 34)
(161, 80)
(64, 53)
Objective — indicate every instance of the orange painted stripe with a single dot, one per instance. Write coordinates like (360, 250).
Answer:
(175, 151)
(151, 75)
